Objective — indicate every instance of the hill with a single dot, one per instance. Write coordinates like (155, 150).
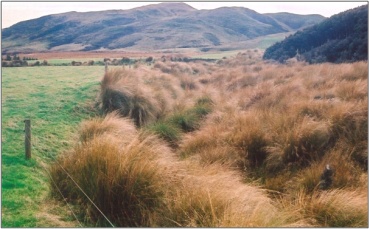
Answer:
(152, 27)
(341, 38)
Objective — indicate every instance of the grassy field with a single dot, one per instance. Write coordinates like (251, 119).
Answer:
(217, 55)
(267, 41)
(68, 61)
(56, 99)
(233, 143)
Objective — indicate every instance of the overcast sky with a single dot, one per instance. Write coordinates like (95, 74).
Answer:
(13, 12)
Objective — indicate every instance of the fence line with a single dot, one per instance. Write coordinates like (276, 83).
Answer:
(86, 195)
(80, 190)
(27, 140)
(70, 208)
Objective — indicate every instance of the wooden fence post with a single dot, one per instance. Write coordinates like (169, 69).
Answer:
(27, 140)
(106, 67)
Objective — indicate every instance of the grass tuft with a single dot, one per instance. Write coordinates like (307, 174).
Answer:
(340, 208)
(166, 130)
(121, 176)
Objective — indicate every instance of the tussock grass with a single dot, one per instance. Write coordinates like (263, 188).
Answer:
(339, 208)
(189, 119)
(218, 199)
(314, 128)
(249, 143)
(249, 139)
(135, 96)
(110, 125)
(287, 126)
(168, 131)
(120, 92)
(188, 83)
(120, 173)
(138, 182)
(129, 104)
(182, 121)
(333, 208)
(305, 141)
(346, 172)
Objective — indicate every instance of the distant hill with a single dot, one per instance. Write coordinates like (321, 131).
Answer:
(295, 21)
(152, 27)
(341, 38)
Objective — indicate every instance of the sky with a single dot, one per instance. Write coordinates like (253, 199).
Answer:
(14, 12)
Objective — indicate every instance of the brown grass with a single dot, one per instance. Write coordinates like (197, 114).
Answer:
(120, 173)
(146, 89)
(255, 138)
(136, 181)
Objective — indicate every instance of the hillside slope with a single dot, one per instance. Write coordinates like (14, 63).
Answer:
(153, 27)
(341, 38)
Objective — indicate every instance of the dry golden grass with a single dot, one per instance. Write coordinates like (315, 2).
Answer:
(286, 124)
(340, 208)
(110, 125)
(250, 142)
(122, 174)
(139, 95)
(136, 181)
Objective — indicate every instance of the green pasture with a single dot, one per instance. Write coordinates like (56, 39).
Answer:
(267, 41)
(56, 99)
(57, 61)
(69, 61)
(217, 55)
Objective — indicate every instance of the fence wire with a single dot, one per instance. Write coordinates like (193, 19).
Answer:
(92, 202)
(60, 192)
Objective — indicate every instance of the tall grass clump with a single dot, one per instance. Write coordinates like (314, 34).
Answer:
(133, 178)
(123, 177)
(214, 196)
(120, 92)
(111, 124)
(138, 182)
(167, 131)
(189, 119)
(305, 142)
(182, 121)
(208, 144)
(332, 208)
(350, 127)
(346, 174)
(339, 208)
(249, 138)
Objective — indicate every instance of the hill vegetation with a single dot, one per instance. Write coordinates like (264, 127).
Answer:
(237, 143)
(341, 38)
(153, 27)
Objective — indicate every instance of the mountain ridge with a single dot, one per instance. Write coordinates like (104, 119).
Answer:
(340, 38)
(150, 27)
